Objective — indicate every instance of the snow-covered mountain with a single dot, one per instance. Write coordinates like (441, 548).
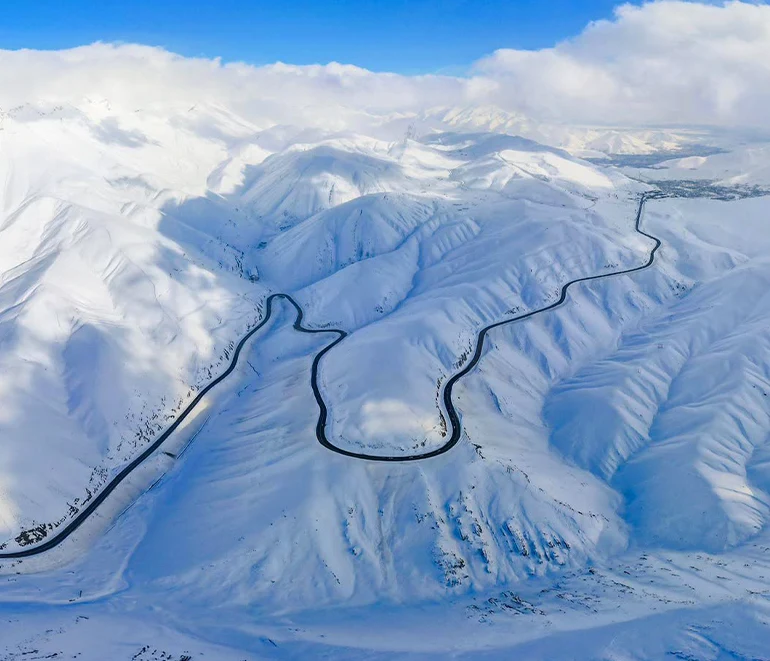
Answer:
(588, 141)
(612, 472)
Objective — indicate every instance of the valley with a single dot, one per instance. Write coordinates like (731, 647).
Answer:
(425, 388)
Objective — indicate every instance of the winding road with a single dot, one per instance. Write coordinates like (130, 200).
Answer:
(451, 411)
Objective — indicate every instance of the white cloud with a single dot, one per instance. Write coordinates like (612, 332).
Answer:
(133, 76)
(664, 62)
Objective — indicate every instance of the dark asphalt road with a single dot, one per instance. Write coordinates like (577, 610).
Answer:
(454, 418)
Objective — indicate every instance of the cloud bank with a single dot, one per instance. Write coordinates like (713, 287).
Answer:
(662, 63)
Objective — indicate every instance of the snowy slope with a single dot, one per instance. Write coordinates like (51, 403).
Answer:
(419, 272)
(108, 323)
(150, 233)
(742, 164)
(614, 460)
(583, 140)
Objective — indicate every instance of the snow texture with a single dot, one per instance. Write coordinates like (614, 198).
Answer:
(610, 494)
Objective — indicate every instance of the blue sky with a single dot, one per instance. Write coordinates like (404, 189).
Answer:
(407, 36)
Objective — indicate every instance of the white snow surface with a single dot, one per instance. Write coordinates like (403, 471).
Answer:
(745, 164)
(609, 496)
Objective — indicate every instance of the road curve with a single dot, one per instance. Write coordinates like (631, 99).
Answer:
(454, 419)
(81, 517)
